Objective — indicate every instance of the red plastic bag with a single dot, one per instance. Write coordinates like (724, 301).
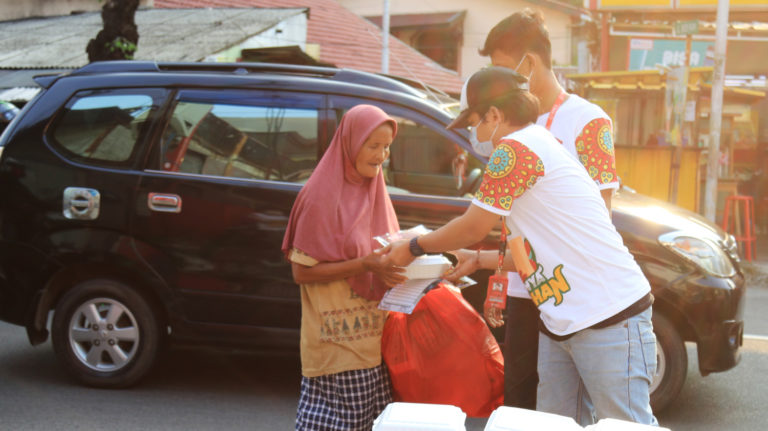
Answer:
(443, 353)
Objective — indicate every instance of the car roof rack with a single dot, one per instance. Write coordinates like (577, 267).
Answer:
(342, 75)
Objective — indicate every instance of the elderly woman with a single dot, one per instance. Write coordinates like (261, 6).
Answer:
(329, 242)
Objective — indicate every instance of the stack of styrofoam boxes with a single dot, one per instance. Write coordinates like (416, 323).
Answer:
(617, 425)
(420, 417)
(441, 417)
(427, 266)
(515, 419)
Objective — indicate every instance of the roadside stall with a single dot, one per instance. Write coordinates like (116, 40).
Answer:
(661, 131)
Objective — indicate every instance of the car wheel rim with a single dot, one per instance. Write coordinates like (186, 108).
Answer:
(661, 366)
(104, 335)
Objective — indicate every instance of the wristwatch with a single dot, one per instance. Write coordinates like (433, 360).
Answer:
(415, 248)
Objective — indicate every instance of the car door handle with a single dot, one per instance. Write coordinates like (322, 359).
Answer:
(164, 202)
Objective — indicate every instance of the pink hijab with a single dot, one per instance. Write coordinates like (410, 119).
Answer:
(338, 212)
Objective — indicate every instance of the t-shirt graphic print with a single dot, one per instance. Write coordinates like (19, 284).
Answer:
(512, 169)
(586, 132)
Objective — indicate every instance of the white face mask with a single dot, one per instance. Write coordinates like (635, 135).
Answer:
(527, 85)
(484, 148)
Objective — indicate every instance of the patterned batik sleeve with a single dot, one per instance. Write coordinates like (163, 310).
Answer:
(512, 169)
(595, 148)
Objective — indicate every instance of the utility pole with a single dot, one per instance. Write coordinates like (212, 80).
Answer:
(385, 38)
(677, 81)
(716, 111)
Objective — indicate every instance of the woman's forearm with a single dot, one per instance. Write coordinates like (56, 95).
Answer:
(326, 272)
(461, 232)
(489, 259)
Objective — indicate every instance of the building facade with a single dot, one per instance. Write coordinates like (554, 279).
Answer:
(451, 33)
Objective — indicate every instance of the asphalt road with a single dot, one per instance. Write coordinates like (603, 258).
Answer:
(203, 390)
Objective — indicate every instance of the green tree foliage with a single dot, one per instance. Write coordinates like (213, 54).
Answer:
(119, 37)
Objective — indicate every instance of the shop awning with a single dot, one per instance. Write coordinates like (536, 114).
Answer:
(656, 80)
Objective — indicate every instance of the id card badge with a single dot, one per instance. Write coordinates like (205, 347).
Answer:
(497, 291)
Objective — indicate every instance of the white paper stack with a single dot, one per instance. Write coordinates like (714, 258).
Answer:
(422, 272)
(404, 297)
(421, 417)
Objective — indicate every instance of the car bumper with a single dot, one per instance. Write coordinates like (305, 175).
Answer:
(716, 315)
(22, 275)
(720, 350)
(705, 309)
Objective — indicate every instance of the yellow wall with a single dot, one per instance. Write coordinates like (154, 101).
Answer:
(648, 171)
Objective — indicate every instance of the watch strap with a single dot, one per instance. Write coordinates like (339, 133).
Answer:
(415, 248)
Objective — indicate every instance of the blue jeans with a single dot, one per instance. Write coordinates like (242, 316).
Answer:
(600, 373)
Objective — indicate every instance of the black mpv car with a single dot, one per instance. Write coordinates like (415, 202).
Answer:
(145, 203)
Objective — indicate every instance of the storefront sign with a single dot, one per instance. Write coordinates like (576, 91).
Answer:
(713, 3)
(686, 27)
(647, 53)
(635, 4)
(676, 4)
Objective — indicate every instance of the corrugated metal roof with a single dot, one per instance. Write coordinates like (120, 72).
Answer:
(348, 40)
(19, 94)
(164, 35)
(23, 77)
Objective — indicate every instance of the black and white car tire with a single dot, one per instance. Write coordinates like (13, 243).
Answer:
(106, 334)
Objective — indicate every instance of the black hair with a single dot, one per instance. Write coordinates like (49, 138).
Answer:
(521, 32)
(519, 107)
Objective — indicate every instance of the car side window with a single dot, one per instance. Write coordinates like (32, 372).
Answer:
(104, 126)
(420, 150)
(424, 158)
(246, 138)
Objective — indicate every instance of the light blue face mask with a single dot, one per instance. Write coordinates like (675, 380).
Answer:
(484, 148)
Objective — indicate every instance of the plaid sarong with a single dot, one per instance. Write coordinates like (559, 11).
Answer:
(347, 401)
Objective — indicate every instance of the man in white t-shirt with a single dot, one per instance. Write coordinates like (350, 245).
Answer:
(521, 42)
(594, 301)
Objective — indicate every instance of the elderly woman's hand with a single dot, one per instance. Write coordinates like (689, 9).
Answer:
(381, 267)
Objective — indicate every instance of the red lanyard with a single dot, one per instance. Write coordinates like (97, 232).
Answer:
(559, 101)
(502, 245)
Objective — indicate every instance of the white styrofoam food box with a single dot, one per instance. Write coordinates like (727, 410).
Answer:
(618, 425)
(427, 266)
(515, 419)
(421, 417)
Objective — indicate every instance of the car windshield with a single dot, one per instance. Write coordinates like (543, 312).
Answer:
(439, 98)
(443, 101)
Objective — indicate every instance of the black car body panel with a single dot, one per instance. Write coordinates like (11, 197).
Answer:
(203, 248)
(706, 309)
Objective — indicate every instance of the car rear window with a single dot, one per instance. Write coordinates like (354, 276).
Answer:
(103, 126)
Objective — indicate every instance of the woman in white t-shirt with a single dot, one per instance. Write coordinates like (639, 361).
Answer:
(594, 301)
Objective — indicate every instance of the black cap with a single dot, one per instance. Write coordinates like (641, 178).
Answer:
(485, 87)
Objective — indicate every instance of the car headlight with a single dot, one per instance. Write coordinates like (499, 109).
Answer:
(702, 253)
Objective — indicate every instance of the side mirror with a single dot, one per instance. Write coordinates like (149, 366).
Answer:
(472, 182)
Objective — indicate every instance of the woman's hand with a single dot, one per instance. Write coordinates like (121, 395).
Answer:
(467, 262)
(399, 253)
(383, 268)
(493, 316)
